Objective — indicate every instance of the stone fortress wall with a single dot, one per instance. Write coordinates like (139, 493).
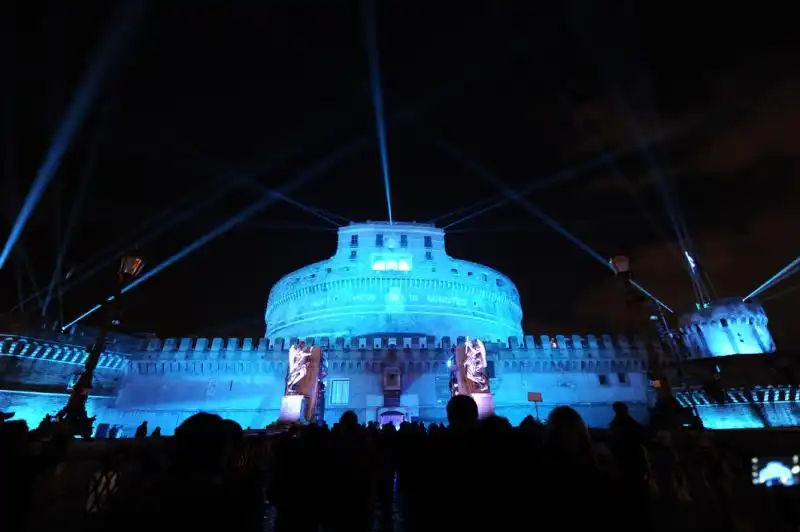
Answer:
(727, 327)
(243, 379)
(383, 277)
(36, 371)
(166, 381)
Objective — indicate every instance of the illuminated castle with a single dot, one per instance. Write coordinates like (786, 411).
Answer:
(387, 307)
(393, 278)
(727, 327)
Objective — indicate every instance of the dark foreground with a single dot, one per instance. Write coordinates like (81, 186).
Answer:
(353, 478)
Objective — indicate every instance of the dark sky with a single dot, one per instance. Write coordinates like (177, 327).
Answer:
(208, 101)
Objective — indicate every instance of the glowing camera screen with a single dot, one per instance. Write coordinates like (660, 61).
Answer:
(779, 471)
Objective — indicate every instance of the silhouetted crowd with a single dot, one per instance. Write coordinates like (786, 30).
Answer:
(471, 475)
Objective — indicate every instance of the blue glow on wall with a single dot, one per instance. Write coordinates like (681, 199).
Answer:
(397, 282)
(743, 416)
(32, 407)
(373, 286)
(727, 327)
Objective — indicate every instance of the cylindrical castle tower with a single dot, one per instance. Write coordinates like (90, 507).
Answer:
(727, 327)
(393, 279)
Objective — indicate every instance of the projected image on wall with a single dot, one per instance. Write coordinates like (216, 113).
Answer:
(391, 262)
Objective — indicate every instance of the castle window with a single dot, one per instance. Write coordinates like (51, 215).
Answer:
(403, 241)
(723, 322)
(353, 254)
(428, 255)
(403, 265)
(622, 378)
(469, 274)
(327, 270)
(554, 343)
(453, 271)
(379, 266)
(499, 282)
(354, 241)
(484, 277)
(603, 380)
(339, 392)
(379, 240)
(428, 242)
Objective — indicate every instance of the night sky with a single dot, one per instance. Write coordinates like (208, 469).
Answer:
(209, 102)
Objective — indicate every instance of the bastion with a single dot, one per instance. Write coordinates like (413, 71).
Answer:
(390, 301)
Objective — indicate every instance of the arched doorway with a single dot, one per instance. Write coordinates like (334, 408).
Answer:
(392, 416)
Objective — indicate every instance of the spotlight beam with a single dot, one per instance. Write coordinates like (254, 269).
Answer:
(371, 37)
(400, 117)
(308, 208)
(177, 219)
(116, 36)
(481, 170)
(77, 206)
(784, 273)
(253, 183)
(565, 175)
(782, 293)
(254, 208)
(173, 216)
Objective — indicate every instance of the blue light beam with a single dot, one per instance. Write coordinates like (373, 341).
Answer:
(254, 208)
(471, 164)
(206, 162)
(77, 207)
(123, 23)
(479, 169)
(400, 117)
(171, 217)
(568, 174)
(371, 36)
(785, 272)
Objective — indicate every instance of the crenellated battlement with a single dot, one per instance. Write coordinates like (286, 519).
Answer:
(530, 347)
(23, 347)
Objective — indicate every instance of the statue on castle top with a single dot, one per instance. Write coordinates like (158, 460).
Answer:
(475, 365)
(299, 360)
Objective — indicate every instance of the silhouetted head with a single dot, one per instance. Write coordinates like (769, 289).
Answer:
(349, 420)
(496, 425)
(620, 408)
(234, 430)
(462, 412)
(568, 436)
(202, 442)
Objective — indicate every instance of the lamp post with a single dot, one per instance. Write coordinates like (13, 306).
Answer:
(621, 267)
(74, 415)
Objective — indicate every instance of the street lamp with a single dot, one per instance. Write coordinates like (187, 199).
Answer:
(74, 415)
(620, 264)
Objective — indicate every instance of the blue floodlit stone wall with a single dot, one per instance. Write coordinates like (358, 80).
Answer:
(243, 379)
(375, 305)
(727, 327)
(747, 409)
(393, 278)
(35, 374)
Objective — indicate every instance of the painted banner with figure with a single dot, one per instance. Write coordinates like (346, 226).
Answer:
(471, 367)
(302, 377)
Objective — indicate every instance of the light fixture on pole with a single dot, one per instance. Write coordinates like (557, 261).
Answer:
(620, 265)
(74, 415)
